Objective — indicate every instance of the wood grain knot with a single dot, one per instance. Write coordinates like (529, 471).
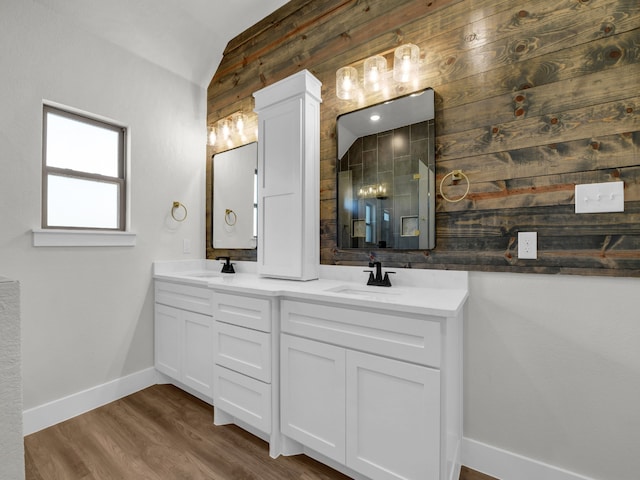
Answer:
(521, 48)
(554, 120)
(595, 145)
(629, 109)
(525, 86)
(615, 53)
(523, 13)
(519, 112)
(553, 146)
(607, 29)
(519, 98)
(495, 130)
(451, 60)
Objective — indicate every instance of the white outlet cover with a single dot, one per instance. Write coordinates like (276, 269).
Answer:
(600, 197)
(528, 245)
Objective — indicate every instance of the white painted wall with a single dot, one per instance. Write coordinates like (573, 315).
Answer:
(11, 447)
(87, 312)
(552, 370)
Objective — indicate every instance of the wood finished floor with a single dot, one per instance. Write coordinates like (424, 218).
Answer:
(162, 433)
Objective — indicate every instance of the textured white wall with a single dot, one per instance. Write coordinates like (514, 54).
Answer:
(552, 370)
(11, 446)
(87, 314)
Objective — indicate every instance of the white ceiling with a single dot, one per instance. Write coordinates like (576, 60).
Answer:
(186, 37)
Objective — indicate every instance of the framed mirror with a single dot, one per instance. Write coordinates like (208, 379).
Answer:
(235, 200)
(386, 175)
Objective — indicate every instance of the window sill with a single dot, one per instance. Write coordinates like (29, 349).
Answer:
(82, 238)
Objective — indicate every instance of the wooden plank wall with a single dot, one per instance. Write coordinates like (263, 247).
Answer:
(533, 97)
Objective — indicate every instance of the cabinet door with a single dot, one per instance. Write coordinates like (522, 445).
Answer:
(279, 190)
(197, 348)
(393, 418)
(312, 395)
(168, 335)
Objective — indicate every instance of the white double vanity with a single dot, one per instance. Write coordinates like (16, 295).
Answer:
(366, 379)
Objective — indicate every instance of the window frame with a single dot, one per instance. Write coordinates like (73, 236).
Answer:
(120, 181)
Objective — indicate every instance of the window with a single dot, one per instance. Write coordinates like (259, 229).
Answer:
(83, 172)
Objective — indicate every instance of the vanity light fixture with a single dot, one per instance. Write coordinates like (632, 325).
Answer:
(211, 135)
(346, 83)
(378, 190)
(375, 70)
(239, 121)
(376, 77)
(229, 130)
(406, 61)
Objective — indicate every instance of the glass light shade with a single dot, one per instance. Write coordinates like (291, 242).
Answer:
(239, 122)
(225, 128)
(346, 83)
(375, 69)
(211, 135)
(406, 63)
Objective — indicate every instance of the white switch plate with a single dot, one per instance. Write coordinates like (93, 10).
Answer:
(600, 197)
(528, 245)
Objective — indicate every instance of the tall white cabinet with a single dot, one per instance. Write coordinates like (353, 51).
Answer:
(288, 178)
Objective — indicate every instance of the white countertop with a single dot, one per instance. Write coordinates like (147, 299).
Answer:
(443, 294)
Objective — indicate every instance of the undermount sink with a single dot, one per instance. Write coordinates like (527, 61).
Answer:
(370, 292)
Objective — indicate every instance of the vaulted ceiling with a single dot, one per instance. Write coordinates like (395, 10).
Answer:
(186, 37)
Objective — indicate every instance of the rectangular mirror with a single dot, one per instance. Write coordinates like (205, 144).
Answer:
(235, 200)
(386, 175)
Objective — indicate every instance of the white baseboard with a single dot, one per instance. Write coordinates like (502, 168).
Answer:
(506, 465)
(43, 416)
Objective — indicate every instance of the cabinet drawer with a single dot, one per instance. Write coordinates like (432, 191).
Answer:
(194, 299)
(247, 312)
(413, 339)
(243, 397)
(243, 350)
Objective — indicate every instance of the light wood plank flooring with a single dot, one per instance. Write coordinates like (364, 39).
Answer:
(162, 433)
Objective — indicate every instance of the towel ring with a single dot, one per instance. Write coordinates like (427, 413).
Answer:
(230, 217)
(455, 175)
(177, 206)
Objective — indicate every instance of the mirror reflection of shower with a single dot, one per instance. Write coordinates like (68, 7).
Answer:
(386, 175)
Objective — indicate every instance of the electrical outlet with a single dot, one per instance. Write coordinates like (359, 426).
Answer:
(528, 245)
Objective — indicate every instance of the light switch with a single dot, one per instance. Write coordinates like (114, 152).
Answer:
(600, 197)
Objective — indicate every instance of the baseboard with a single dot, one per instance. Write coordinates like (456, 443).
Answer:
(43, 416)
(506, 465)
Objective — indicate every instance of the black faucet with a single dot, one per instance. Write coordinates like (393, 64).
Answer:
(227, 267)
(378, 280)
